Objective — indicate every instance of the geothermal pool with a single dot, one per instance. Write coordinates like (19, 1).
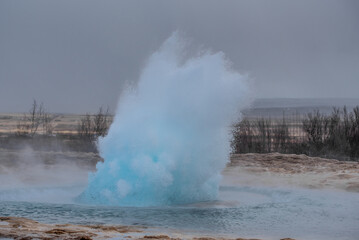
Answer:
(266, 213)
(167, 147)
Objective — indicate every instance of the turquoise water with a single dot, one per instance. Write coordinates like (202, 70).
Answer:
(249, 212)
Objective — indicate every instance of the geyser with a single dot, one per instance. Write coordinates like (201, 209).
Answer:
(170, 137)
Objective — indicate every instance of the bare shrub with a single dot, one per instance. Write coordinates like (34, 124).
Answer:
(260, 136)
(101, 122)
(316, 127)
(47, 123)
(91, 127)
(333, 136)
(336, 135)
(84, 129)
(263, 132)
(242, 140)
(281, 136)
(353, 133)
(29, 124)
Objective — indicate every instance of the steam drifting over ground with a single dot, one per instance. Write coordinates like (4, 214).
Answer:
(170, 137)
(43, 176)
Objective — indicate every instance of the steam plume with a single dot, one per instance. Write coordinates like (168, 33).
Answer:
(170, 138)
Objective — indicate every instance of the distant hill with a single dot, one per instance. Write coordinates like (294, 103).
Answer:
(293, 107)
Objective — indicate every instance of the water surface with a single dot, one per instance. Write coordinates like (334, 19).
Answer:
(268, 213)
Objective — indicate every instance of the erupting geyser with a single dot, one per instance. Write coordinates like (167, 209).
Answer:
(170, 137)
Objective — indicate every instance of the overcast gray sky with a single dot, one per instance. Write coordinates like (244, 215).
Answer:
(76, 55)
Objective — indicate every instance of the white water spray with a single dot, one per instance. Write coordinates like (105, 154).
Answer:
(169, 140)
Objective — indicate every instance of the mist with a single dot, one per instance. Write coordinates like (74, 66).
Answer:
(43, 176)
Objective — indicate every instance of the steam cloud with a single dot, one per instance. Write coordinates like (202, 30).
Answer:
(170, 137)
(44, 176)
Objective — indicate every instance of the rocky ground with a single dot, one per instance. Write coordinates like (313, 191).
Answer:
(26, 229)
(22, 228)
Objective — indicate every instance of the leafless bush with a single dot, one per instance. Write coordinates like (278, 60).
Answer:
(91, 127)
(335, 135)
(353, 132)
(281, 137)
(316, 127)
(101, 122)
(263, 132)
(84, 129)
(47, 123)
(29, 124)
(259, 135)
(242, 140)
